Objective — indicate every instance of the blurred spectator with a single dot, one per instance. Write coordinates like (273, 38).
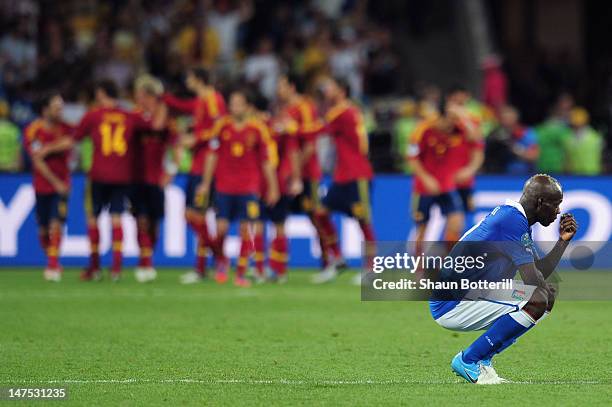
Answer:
(382, 72)
(430, 98)
(511, 148)
(494, 83)
(262, 68)
(553, 135)
(10, 141)
(18, 54)
(347, 60)
(585, 147)
(403, 129)
(198, 51)
(226, 21)
(316, 52)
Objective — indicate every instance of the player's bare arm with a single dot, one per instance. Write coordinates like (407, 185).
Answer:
(209, 169)
(42, 167)
(62, 144)
(432, 184)
(307, 152)
(567, 230)
(273, 191)
(467, 172)
(295, 183)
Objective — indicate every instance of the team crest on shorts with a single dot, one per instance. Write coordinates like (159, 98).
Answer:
(518, 295)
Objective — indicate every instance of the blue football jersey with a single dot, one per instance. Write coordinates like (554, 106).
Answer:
(505, 236)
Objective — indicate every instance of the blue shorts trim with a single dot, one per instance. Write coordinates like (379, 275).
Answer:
(191, 200)
(148, 200)
(351, 198)
(277, 213)
(108, 196)
(467, 199)
(51, 207)
(237, 207)
(448, 202)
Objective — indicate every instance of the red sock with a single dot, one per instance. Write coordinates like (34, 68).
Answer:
(43, 238)
(278, 255)
(328, 234)
(324, 254)
(94, 244)
(55, 238)
(146, 248)
(117, 249)
(200, 266)
(260, 253)
(370, 243)
(246, 246)
(153, 235)
(217, 247)
(450, 238)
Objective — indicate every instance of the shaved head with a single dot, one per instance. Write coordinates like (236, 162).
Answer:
(542, 195)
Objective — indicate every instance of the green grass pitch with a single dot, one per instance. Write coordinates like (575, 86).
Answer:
(167, 344)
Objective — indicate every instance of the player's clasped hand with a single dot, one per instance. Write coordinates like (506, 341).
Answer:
(567, 227)
(202, 191)
(272, 197)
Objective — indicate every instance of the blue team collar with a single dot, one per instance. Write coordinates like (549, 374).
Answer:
(517, 205)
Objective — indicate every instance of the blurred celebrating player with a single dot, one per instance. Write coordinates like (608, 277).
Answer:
(350, 190)
(303, 111)
(241, 146)
(206, 108)
(435, 157)
(470, 152)
(111, 129)
(48, 142)
(150, 173)
(285, 159)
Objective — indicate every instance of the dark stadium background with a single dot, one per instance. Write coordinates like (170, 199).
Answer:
(550, 60)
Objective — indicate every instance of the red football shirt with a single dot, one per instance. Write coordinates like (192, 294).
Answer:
(112, 133)
(437, 151)
(241, 150)
(205, 112)
(463, 154)
(37, 134)
(284, 143)
(345, 124)
(150, 153)
(305, 114)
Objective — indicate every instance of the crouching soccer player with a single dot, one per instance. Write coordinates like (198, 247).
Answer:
(48, 142)
(240, 146)
(507, 229)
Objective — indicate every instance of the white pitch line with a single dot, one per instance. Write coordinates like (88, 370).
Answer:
(290, 382)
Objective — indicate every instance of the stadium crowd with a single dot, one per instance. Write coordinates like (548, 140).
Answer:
(67, 47)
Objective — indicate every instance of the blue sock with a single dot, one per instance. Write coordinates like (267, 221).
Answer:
(511, 341)
(498, 337)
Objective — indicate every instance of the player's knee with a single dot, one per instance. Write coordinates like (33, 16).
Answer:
(538, 304)
(142, 222)
(116, 219)
(244, 229)
(455, 222)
